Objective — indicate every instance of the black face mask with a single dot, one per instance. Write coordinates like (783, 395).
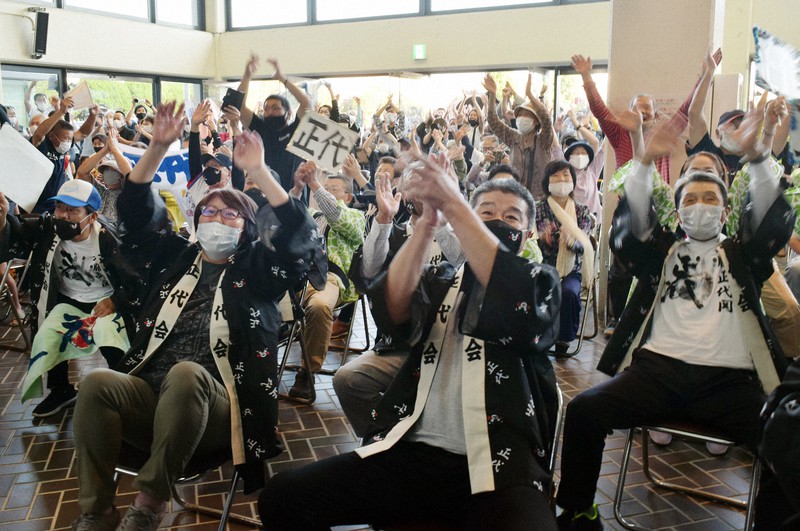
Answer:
(97, 149)
(141, 116)
(473, 123)
(275, 122)
(212, 175)
(66, 229)
(508, 235)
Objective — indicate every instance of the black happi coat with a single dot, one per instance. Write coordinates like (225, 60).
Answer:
(517, 318)
(256, 278)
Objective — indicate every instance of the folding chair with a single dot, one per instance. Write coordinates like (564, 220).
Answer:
(292, 318)
(15, 264)
(688, 431)
(132, 459)
(347, 348)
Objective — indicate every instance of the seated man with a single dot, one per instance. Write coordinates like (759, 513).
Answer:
(75, 261)
(343, 228)
(697, 348)
(463, 438)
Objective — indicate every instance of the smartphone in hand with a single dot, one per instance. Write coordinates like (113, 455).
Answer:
(234, 98)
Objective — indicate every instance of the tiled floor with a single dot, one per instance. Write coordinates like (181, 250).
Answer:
(38, 487)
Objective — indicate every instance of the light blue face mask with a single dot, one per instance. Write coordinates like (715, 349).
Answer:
(218, 241)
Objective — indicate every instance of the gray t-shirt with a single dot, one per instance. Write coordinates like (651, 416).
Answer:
(189, 339)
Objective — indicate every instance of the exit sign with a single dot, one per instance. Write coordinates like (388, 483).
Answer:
(419, 52)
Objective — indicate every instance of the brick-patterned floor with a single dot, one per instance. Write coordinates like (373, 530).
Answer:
(38, 486)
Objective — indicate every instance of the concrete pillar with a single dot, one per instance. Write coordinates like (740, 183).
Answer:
(656, 47)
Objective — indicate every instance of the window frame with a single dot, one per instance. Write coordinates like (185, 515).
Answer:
(424, 10)
(151, 13)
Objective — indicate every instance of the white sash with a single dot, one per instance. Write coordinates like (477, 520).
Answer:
(219, 341)
(473, 397)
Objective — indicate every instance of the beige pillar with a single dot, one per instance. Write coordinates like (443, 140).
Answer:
(656, 47)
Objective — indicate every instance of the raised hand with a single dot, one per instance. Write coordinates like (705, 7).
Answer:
(278, 75)
(5, 207)
(489, 84)
(252, 65)
(168, 124)
(66, 104)
(775, 112)
(581, 64)
(388, 203)
(248, 155)
(665, 138)
(630, 120)
(350, 167)
(200, 113)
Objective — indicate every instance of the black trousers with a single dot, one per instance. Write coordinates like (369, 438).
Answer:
(58, 376)
(619, 285)
(654, 389)
(410, 482)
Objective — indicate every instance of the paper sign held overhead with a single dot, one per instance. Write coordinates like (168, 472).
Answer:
(81, 96)
(25, 171)
(322, 141)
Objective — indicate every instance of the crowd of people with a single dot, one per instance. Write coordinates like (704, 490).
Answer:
(473, 233)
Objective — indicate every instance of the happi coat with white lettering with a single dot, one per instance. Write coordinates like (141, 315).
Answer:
(245, 320)
(506, 327)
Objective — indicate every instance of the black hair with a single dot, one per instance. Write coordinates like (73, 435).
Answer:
(284, 102)
(699, 177)
(555, 167)
(502, 168)
(507, 186)
(719, 164)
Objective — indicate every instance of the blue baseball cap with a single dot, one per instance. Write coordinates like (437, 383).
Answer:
(77, 193)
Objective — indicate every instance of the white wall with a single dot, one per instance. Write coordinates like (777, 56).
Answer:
(83, 40)
(456, 42)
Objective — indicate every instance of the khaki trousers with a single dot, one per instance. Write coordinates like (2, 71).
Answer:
(191, 414)
(319, 307)
(784, 312)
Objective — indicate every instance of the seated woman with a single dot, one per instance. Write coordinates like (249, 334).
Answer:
(563, 226)
(201, 372)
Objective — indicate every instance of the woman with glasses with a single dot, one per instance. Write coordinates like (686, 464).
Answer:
(200, 377)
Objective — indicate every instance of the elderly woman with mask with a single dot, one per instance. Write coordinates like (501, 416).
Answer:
(200, 377)
(564, 226)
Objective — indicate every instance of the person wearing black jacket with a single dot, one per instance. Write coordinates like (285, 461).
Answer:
(201, 371)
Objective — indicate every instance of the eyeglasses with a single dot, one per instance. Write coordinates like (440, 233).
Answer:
(227, 213)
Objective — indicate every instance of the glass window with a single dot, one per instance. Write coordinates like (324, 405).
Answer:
(461, 5)
(183, 12)
(29, 90)
(125, 8)
(570, 95)
(349, 9)
(253, 13)
(113, 93)
(182, 92)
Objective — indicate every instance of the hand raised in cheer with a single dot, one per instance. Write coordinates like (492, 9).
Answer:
(168, 124)
(388, 202)
(581, 64)
(248, 155)
(200, 114)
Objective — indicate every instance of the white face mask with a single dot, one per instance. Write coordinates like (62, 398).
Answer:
(728, 144)
(391, 117)
(147, 129)
(579, 162)
(64, 146)
(41, 106)
(218, 241)
(32, 129)
(12, 120)
(701, 222)
(119, 124)
(525, 124)
(560, 189)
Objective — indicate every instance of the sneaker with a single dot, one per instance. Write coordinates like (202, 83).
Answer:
(141, 519)
(588, 520)
(660, 438)
(58, 399)
(303, 388)
(562, 347)
(610, 327)
(97, 522)
(716, 449)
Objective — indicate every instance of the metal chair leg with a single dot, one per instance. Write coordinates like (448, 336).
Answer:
(223, 514)
(623, 472)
